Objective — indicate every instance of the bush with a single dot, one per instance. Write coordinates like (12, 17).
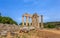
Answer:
(51, 26)
(7, 20)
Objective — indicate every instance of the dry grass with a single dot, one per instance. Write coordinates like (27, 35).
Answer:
(36, 34)
(46, 33)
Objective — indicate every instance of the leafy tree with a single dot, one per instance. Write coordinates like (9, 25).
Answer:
(21, 23)
(0, 13)
(51, 26)
(7, 20)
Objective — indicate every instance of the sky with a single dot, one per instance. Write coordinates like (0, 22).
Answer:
(50, 9)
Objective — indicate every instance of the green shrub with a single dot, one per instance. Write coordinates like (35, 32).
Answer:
(7, 20)
(51, 26)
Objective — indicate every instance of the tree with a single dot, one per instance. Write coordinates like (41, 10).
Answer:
(51, 26)
(21, 23)
(7, 20)
(0, 13)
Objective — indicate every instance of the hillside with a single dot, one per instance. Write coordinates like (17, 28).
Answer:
(54, 24)
(13, 31)
(41, 33)
(7, 20)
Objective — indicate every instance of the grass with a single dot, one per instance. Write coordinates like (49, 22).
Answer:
(35, 34)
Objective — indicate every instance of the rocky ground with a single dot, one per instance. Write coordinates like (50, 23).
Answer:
(42, 34)
(13, 31)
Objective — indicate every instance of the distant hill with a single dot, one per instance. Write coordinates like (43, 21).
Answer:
(7, 20)
(52, 24)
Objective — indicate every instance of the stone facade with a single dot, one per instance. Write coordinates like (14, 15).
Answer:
(35, 20)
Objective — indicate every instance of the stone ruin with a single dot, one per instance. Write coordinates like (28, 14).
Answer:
(8, 29)
(5, 28)
(34, 18)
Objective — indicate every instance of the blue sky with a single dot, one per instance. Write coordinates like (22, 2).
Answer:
(50, 9)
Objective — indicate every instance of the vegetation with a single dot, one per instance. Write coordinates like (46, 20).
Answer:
(52, 24)
(0, 14)
(7, 20)
(21, 23)
(24, 23)
(48, 24)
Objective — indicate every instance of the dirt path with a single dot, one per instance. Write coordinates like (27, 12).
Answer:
(53, 31)
(49, 33)
(43, 34)
(40, 34)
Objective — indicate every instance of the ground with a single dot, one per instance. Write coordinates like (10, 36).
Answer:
(38, 33)
(42, 34)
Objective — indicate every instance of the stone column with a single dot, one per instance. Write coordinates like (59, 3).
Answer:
(26, 20)
(22, 20)
(38, 23)
(33, 22)
(29, 21)
(42, 21)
